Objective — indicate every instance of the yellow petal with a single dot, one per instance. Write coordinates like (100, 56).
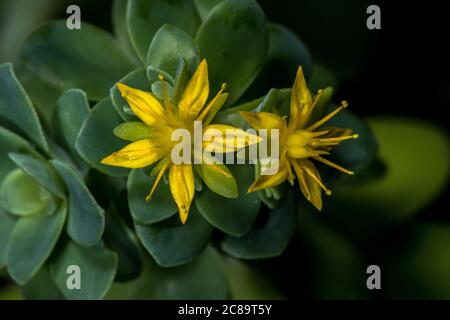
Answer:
(181, 180)
(224, 138)
(263, 120)
(196, 93)
(143, 104)
(268, 181)
(138, 154)
(301, 102)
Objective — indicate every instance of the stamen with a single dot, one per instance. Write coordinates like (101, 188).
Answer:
(343, 105)
(158, 178)
(319, 182)
(333, 165)
(342, 138)
(317, 98)
(211, 104)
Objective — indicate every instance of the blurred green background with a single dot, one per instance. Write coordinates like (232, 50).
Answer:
(395, 78)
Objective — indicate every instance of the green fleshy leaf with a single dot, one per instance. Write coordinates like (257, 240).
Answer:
(234, 39)
(160, 207)
(16, 107)
(416, 156)
(133, 131)
(42, 287)
(10, 142)
(157, 90)
(266, 241)
(21, 195)
(96, 140)
(136, 79)
(32, 240)
(232, 216)
(332, 257)
(171, 243)
(7, 222)
(86, 220)
(72, 109)
(89, 59)
(41, 172)
(218, 179)
(286, 53)
(418, 263)
(203, 278)
(150, 15)
(204, 7)
(246, 283)
(169, 44)
(97, 270)
(119, 238)
(119, 20)
(321, 77)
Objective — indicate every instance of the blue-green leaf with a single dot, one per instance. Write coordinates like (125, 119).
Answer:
(96, 140)
(86, 220)
(7, 222)
(170, 44)
(32, 240)
(89, 58)
(171, 243)
(97, 266)
(160, 207)
(234, 39)
(16, 107)
(145, 17)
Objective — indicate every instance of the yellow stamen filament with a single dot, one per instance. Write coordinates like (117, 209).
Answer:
(211, 104)
(333, 165)
(158, 178)
(343, 105)
(317, 179)
(337, 139)
(317, 98)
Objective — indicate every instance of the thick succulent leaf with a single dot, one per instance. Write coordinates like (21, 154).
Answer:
(42, 287)
(97, 266)
(21, 195)
(119, 238)
(86, 220)
(248, 283)
(204, 7)
(416, 157)
(96, 140)
(16, 107)
(145, 17)
(136, 79)
(203, 278)
(172, 243)
(160, 207)
(218, 178)
(72, 109)
(10, 142)
(119, 20)
(169, 44)
(234, 39)
(270, 239)
(232, 216)
(41, 171)
(89, 59)
(331, 256)
(417, 264)
(31, 242)
(286, 53)
(7, 222)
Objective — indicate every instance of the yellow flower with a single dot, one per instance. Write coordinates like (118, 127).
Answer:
(161, 119)
(300, 141)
